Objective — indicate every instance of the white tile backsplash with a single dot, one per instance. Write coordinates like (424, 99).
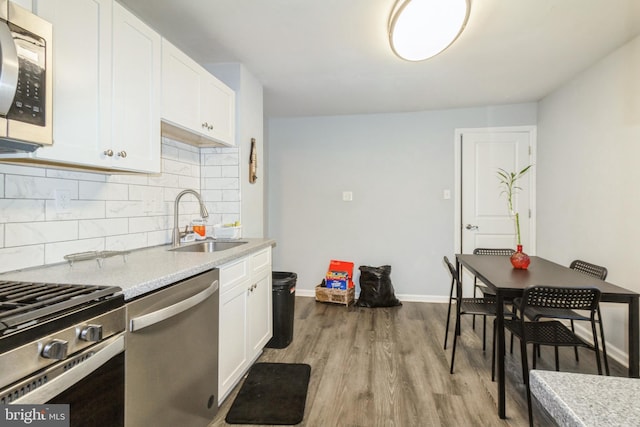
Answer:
(78, 209)
(21, 257)
(21, 210)
(90, 228)
(110, 212)
(31, 233)
(31, 187)
(89, 190)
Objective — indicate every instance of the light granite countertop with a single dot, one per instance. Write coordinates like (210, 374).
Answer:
(143, 271)
(587, 400)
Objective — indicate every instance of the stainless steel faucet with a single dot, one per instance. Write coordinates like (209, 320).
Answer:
(175, 241)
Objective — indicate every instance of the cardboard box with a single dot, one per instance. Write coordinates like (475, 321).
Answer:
(339, 275)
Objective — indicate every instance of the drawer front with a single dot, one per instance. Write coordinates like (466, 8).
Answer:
(231, 274)
(261, 260)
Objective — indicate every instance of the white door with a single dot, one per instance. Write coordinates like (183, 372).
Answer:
(485, 220)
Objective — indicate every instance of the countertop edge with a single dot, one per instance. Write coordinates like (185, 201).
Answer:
(575, 399)
(144, 270)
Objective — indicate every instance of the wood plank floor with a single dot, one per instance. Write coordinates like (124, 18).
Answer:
(387, 367)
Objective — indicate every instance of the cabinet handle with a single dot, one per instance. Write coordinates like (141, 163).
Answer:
(122, 154)
(108, 153)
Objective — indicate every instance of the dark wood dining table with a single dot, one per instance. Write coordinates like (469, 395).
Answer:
(499, 275)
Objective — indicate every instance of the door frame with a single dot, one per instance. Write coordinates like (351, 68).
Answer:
(457, 167)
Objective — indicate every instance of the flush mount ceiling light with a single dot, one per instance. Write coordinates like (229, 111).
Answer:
(420, 29)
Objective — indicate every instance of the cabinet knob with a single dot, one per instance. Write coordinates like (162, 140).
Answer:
(122, 154)
(210, 127)
(56, 349)
(108, 153)
(205, 125)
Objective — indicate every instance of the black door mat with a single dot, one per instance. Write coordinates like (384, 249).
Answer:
(272, 393)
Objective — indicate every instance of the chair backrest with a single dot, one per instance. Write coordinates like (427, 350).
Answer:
(454, 277)
(493, 251)
(559, 297)
(596, 271)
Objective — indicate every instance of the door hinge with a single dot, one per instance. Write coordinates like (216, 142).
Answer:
(529, 151)
(529, 213)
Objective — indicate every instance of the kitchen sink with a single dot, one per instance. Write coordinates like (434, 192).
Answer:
(208, 246)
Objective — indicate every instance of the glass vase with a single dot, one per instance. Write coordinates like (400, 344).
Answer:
(519, 259)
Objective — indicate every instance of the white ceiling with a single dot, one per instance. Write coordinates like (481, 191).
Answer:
(327, 57)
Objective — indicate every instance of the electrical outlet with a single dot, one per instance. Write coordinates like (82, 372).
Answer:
(63, 201)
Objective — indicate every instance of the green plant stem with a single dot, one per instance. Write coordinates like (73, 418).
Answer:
(518, 228)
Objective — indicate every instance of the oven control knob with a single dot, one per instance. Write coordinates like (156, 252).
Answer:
(91, 333)
(56, 349)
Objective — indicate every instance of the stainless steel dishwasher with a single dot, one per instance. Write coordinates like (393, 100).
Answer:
(171, 357)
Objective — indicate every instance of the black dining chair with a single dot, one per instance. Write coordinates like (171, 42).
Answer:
(467, 306)
(553, 332)
(479, 286)
(537, 313)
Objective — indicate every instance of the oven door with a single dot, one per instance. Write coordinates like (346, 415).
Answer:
(91, 382)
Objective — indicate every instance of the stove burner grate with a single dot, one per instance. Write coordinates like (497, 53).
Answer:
(23, 303)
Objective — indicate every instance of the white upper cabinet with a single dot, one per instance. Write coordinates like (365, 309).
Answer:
(218, 106)
(135, 137)
(81, 80)
(196, 107)
(106, 90)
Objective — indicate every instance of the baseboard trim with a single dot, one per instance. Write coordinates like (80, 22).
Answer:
(401, 297)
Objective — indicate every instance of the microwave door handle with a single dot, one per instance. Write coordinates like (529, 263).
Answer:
(8, 69)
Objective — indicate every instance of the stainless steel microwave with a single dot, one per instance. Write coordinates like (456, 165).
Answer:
(25, 80)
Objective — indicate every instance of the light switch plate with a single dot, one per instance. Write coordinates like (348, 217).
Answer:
(347, 196)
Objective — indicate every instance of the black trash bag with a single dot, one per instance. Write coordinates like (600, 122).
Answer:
(376, 289)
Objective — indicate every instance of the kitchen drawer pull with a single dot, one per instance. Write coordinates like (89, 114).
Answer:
(141, 322)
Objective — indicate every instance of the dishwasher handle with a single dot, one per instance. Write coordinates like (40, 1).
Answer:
(141, 322)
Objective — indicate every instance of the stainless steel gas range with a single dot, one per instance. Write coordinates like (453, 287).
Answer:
(64, 344)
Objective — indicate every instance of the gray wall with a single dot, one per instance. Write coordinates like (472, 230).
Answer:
(397, 166)
(588, 175)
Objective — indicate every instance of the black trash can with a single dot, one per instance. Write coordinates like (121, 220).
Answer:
(284, 300)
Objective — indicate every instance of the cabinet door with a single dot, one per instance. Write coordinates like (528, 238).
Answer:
(180, 88)
(218, 110)
(232, 351)
(82, 80)
(135, 138)
(260, 328)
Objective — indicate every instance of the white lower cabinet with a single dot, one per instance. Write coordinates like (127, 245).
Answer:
(246, 323)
